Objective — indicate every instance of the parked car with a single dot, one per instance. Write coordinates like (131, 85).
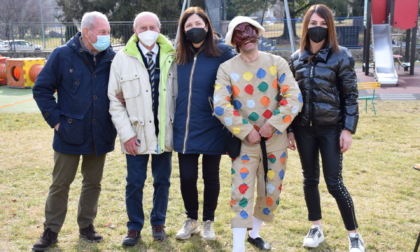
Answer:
(23, 45)
(4, 45)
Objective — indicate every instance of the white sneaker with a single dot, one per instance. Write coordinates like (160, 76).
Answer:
(356, 243)
(190, 227)
(314, 237)
(208, 231)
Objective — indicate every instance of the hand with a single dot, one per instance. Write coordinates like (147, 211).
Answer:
(120, 97)
(253, 137)
(131, 146)
(292, 143)
(267, 130)
(345, 140)
(57, 126)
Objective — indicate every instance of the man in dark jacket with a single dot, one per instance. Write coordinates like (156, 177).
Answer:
(79, 73)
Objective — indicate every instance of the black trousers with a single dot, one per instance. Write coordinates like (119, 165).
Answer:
(325, 140)
(188, 169)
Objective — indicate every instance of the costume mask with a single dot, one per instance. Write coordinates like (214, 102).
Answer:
(243, 33)
(317, 33)
(148, 37)
(196, 35)
(102, 42)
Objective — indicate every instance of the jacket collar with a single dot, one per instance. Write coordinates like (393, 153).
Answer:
(74, 43)
(321, 56)
(165, 45)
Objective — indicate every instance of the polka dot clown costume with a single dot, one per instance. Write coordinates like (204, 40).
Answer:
(246, 96)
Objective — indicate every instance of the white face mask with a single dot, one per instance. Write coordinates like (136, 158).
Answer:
(148, 38)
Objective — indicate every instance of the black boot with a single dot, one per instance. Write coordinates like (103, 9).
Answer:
(259, 243)
(47, 239)
(89, 234)
(132, 238)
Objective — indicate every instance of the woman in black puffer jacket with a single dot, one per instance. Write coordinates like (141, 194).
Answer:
(327, 80)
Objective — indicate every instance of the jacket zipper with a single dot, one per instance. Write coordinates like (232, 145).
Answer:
(311, 108)
(187, 123)
(160, 148)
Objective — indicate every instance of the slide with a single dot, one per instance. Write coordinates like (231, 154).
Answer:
(383, 56)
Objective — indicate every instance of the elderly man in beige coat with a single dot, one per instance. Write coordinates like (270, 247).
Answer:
(144, 73)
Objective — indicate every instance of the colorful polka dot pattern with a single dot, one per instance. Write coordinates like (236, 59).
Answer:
(251, 91)
(244, 99)
(270, 188)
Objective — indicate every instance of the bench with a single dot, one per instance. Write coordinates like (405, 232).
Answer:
(369, 85)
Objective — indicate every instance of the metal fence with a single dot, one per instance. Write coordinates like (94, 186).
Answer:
(276, 37)
(52, 35)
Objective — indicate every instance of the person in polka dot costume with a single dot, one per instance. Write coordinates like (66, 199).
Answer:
(256, 97)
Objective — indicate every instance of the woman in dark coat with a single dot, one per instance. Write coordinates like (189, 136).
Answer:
(196, 130)
(326, 77)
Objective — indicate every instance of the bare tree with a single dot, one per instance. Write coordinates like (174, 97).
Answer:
(17, 16)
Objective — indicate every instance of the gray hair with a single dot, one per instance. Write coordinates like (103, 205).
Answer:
(146, 13)
(88, 19)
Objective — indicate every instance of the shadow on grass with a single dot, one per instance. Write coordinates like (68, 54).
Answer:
(55, 248)
(196, 243)
(323, 247)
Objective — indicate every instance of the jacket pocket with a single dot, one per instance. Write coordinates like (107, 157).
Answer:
(71, 129)
(138, 125)
(72, 80)
(76, 78)
(130, 84)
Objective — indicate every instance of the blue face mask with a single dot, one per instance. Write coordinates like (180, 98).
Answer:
(102, 42)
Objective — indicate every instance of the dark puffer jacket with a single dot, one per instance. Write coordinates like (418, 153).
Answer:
(328, 84)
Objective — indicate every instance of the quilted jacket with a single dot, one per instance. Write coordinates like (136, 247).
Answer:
(328, 84)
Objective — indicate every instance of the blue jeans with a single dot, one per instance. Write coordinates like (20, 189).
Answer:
(136, 176)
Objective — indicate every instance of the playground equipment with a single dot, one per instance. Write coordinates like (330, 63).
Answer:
(384, 62)
(3, 70)
(381, 16)
(22, 72)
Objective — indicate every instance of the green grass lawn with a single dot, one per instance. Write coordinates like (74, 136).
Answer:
(377, 171)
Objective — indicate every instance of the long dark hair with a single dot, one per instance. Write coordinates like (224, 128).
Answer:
(324, 12)
(185, 49)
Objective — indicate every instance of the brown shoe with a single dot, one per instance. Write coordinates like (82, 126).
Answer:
(47, 239)
(89, 234)
(132, 238)
(159, 233)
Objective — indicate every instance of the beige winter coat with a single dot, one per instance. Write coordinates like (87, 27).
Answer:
(129, 76)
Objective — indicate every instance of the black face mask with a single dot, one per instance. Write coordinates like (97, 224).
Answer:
(196, 35)
(317, 33)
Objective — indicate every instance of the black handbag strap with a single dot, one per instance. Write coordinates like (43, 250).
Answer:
(265, 161)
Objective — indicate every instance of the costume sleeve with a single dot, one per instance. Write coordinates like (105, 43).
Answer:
(223, 108)
(349, 92)
(44, 88)
(292, 69)
(117, 110)
(289, 100)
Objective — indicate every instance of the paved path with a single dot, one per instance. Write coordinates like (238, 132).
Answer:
(15, 100)
(408, 85)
